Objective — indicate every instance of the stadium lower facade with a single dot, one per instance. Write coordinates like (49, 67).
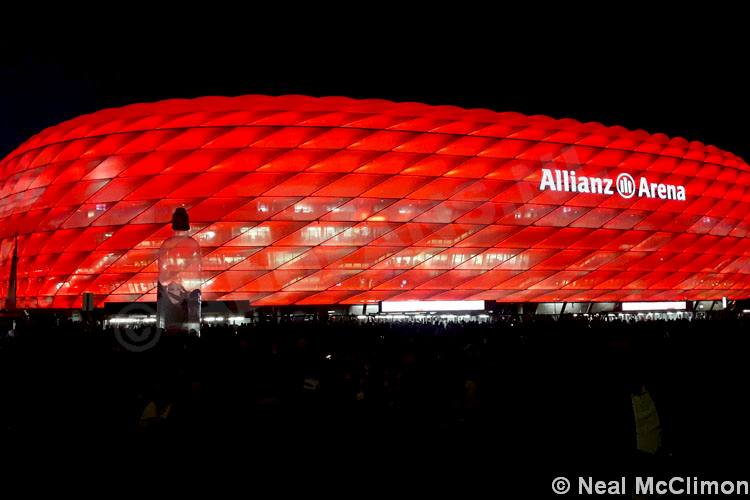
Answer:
(316, 201)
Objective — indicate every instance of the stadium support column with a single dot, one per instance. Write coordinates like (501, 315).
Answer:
(10, 298)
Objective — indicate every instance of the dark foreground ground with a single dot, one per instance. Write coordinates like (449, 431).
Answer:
(398, 408)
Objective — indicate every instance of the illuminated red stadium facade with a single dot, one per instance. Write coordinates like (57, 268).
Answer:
(308, 201)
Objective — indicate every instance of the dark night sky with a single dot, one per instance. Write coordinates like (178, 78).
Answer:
(684, 82)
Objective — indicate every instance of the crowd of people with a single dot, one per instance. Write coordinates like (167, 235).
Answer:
(532, 388)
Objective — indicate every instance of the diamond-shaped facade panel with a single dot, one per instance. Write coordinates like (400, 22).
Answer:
(299, 200)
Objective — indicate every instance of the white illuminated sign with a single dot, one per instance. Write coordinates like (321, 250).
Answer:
(654, 306)
(433, 305)
(624, 185)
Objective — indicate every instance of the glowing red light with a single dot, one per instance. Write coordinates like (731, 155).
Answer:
(334, 200)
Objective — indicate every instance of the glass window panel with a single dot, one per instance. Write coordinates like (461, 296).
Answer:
(304, 184)
(270, 257)
(65, 263)
(134, 260)
(75, 171)
(86, 214)
(328, 297)
(97, 262)
(116, 190)
(314, 233)
(248, 296)
(396, 186)
(415, 295)
(562, 216)
(489, 236)
(190, 138)
(254, 184)
(214, 209)
(425, 143)
(266, 233)
(157, 187)
(343, 161)
(275, 280)
(107, 283)
(449, 235)
(367, 280)
(407, 234)
(288, 137)
(449, 280)
(338, 138)
(350, 185)
(383, 140)
(447, 211)
(151, 163)
(562, 259)
(442, 188)
(486, 213)
(408, 258)
(671, 281)
(358, 209)
(205, 184)
(364, 257)
(122, 212)
(410, 279)
(58, 241)
(295, 160)
(404, 210)
(140, 283)
(453, 295)
(318, 258)
(391, 162)
(322, 280)
(450, 258)
(524, 280)
(218, 233)
(646, 279)
(362, 234)
(55, 217)
(229, 281)
(526, 214)
(488, 280)
(244, 160)
(518, 192)
(311, 208)
(281, 298)
(489, 258)
(527, 259)
(653, 242)
(595, 218)
(162, 211)
(564, 238)
(261, 208)
(483, 190)
(590, 280)
(199, 161)
(126, 237)
(225, 257)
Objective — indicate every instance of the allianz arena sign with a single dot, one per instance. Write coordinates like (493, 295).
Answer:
(624, 185)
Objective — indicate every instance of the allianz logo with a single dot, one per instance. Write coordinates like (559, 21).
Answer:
(623, 184)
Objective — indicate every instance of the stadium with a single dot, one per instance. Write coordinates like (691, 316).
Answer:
(394, 279)
(299, 201)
